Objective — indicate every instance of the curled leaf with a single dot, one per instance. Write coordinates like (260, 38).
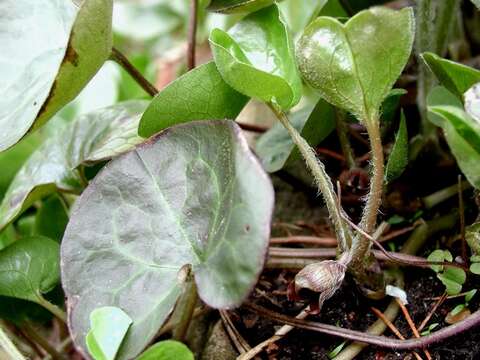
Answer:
(256, 58)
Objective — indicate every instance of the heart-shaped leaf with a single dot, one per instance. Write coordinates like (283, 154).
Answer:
(276, 148)
(29, 268)
(94, 137)
(237, 6)
(194, 195)
(355, 65)
(54, 48)
(167, 350)
(457, 78)
(398, 159)
(461, 131)
(256, 58)
(109, 325)
(200, 94)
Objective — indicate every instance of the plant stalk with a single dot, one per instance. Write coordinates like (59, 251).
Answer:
(322, 180)
(187, 307)
(192, 34)
(54, 309)
(122, 60)
(8, 346)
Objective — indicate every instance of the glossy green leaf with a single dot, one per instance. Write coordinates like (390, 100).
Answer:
(108, 327)
(398, 159)
(237, 6)
(167, 350)
(438, 256)
(194, 194)
(54, 48)
(256, 58)
(457, 78)
(29, 268)
(94, 137)
(461, 131)
(51, 218)
(453, 279)
(315, 122)
(200, 94)
(355, 65)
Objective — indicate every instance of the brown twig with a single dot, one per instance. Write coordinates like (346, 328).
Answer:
(410, 322)
(392, 327)
(432, 311)
(122, 60)
(313, 240)
(192, 34)
(237, 339)
(382, 341)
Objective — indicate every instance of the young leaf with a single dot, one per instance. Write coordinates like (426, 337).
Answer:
(237, 6)
(461, 131)
(29, 267)
(54, 48)
(200, 94)
(109, 325)
(51, 219)
(438, 256)
(470, 294)
(398, 159)
(457, 78)
(167, 350)
(194, 194)
(256, 58)
(94, 137)
(453, 279)
(315, 122)
(355, 65)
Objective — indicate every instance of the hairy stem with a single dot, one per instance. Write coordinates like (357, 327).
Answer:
(122, 60)
(8, 346)
(322, 180)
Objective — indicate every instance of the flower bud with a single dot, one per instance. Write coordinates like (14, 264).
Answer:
(322, 278)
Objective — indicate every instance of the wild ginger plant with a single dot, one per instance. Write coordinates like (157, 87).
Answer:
(165, 200)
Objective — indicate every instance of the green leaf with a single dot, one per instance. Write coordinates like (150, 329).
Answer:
(52, 218)
(457, 78)
(109, 325)
(475, 268)
(194, 194)
(315, 122)
(256, 58)
(438, 256)
(299, 14)
(7, 236)
(457, 309)
(29, 267)
(461, 131)
(167, 350)
(477, 3)
(355, 65)
(237, 6)
(91, 138)
(54, 48)
(453, 279)
(452, 287)
(469, 295)
(200, 94)
(390, 105)
(336, 351)
(398, 159)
